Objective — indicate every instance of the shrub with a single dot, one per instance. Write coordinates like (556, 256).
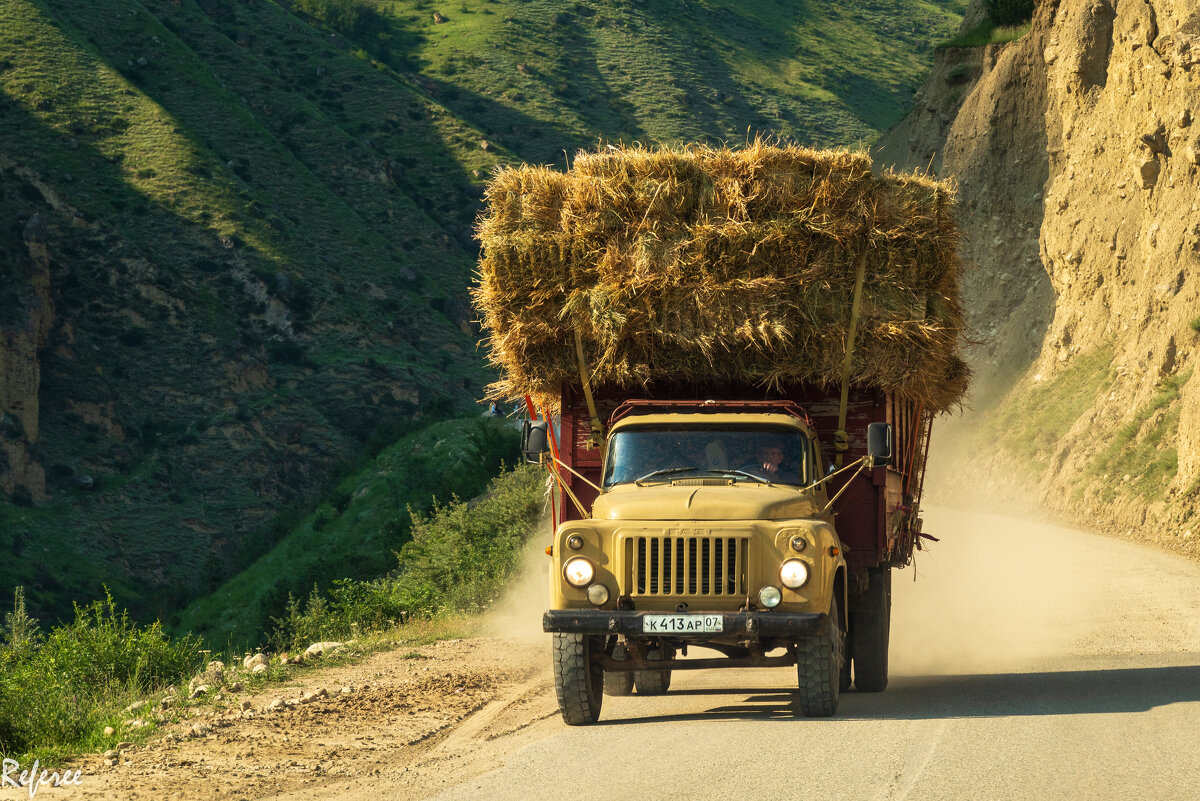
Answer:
(461, 557)
(57, 691)
(986, 33)
(1009, 12)
(960, 73)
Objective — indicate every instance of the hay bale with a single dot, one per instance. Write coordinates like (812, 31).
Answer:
(708, 264)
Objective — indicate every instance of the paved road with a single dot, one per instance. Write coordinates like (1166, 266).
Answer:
(1029, 662)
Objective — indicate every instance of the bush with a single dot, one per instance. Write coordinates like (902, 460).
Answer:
(460, 559)
(986, 33)
(58, 691)
(960, 73)
(1009, 12)
(462, 555)
(351, 18)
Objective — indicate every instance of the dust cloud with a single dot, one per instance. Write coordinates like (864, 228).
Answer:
(996, 594)
(519, 613)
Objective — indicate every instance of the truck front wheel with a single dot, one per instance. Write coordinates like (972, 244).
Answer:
(578, 678)
(870, 632)
(819, 667)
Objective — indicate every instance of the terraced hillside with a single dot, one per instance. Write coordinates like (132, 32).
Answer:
(235, 235)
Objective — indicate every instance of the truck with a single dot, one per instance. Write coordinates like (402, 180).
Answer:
(745, 350)
(723, 523)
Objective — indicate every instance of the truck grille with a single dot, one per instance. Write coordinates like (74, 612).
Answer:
(687, 565)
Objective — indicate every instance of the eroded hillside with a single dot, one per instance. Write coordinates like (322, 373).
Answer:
(1078, 156)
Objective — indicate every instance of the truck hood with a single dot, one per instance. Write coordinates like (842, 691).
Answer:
(738, 502)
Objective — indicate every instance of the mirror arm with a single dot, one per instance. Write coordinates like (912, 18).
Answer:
(839, 471)
(569, 469)
(861, 464)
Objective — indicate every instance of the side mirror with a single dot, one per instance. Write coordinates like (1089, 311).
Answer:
(879, 444)
(535, 440)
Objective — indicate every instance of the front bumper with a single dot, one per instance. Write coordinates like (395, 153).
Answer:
(751, 625)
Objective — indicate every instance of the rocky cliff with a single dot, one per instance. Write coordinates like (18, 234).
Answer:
(1077, 151)
(23, 333)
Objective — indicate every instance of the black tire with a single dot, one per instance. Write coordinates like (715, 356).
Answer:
(819, 660)
(619, 682)
(578, 680)
(870, 633)
(654, 682)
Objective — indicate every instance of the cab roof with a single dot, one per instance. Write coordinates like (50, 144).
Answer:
(715, 420)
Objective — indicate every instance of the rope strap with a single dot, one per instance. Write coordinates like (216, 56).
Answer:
(841, 440)
(596, 435)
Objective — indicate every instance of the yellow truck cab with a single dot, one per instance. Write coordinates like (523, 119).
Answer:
(711, 527)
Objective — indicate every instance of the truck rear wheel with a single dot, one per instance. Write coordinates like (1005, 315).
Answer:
(578, 679)
(819, 667)
(619, 682)
(870, 633)
(654, 682)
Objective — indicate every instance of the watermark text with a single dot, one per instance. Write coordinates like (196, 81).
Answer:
(32, 780)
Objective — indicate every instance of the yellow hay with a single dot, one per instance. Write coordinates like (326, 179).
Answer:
(709, 265)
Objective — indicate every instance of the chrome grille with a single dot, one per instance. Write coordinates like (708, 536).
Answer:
(685, 565)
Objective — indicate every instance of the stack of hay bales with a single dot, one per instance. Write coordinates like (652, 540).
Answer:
(717, 265)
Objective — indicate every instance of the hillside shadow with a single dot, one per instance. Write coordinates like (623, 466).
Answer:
(1113, 691)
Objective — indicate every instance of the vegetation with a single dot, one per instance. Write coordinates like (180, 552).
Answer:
(960, 73)
(986, 33)
(354, 532)
(541, 76)
(58, 690)
(460, 559)
(1031, 425)
(1009, 12)
(1143, 454)
(244, 310)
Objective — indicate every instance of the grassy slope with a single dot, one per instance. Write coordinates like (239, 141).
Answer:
(545, 76)
(357, 532)
(260, 235)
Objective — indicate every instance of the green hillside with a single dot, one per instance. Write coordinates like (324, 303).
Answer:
(235, 235)
(358, 530)
(542, 77)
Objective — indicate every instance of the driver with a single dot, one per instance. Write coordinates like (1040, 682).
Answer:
(771, 464)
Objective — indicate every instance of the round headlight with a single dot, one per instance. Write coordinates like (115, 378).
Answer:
(799, 543)
(598, 594)
(770, 597)
(579, 572)
(794, 574)
(574, 542)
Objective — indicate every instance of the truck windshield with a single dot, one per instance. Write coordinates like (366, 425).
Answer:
(743, 453)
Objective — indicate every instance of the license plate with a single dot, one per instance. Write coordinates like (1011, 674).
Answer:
(682, 624)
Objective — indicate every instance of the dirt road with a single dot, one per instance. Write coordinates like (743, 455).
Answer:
(1075, 676)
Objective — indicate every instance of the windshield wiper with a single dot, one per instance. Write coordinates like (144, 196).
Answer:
(664, 472)
(730, 471)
